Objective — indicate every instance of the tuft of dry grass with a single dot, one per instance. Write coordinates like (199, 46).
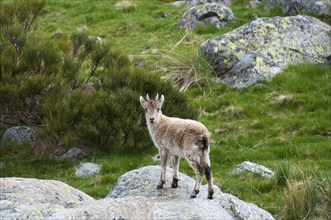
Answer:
(125, 6)
(189, 69)
(280, 99)
(299, 199)
(306, 198)
(184, 72)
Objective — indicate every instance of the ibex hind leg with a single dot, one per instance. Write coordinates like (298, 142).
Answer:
(199, 174)
(194, 162)
(209, 178)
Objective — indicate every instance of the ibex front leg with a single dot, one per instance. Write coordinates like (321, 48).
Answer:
(163, 159)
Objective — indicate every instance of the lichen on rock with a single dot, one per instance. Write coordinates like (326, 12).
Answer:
(264, 47)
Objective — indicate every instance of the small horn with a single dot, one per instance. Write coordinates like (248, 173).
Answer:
(147, 98)
(157, 97)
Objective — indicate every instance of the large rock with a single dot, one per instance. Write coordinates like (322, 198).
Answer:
(210, 13)
(295, 7)
(18, 134)
(264, 47)
(22, 198)
(143, 181)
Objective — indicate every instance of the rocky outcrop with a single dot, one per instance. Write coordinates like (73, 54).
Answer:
(247, 166)
(134, 196)
(295, 7)
(210, 13)
(142, 182)
(264, 47)
(87, 169)
(22, 198)
(18, 134)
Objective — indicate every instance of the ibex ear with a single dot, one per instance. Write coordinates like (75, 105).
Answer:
(142, 101)
(161, 100)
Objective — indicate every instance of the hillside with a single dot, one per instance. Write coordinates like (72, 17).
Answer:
(283, 124)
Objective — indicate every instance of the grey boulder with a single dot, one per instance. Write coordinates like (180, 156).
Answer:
(210, 13)
(142, 182)
(295, 7)
(77, 153)
(248, 166)
(23, 198)
(18, 134)
(264, 47)
(87, 169)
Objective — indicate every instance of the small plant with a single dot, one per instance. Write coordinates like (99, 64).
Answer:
(283, 174)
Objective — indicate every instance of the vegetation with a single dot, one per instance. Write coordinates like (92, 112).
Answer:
(56, 75)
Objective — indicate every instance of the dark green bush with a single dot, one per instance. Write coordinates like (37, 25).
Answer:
(79, 88)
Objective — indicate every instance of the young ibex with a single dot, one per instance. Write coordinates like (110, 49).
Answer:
(180, 138)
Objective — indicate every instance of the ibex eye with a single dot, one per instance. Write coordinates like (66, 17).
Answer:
(158, 109)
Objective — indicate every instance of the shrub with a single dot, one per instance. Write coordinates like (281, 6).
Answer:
(76, 87)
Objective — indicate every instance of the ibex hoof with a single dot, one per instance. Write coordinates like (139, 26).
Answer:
(160, 186)
(210, 194)
(174, 183)
(194, 194)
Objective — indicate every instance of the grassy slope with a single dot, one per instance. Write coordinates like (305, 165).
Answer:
(286, 121)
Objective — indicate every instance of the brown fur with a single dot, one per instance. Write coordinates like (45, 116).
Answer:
(180, 138)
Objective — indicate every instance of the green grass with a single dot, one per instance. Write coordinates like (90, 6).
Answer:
(284, 124)
(256, 126)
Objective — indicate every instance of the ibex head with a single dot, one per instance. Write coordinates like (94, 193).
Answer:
(152, 108)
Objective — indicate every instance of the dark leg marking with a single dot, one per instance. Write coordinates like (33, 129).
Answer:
(174, 183)
(194, 194)
(209, 177)
(160, 186)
